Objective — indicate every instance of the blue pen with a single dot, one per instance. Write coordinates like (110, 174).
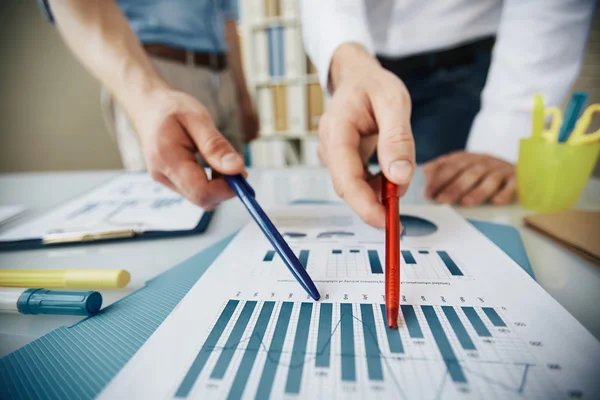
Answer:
(245, 192)
(572, 114)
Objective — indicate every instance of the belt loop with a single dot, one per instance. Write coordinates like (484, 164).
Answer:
(213, 61)
(189, 58)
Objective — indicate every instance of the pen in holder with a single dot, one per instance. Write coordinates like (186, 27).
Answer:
(550, 175)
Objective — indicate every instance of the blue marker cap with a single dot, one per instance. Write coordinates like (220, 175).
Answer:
(59, 302)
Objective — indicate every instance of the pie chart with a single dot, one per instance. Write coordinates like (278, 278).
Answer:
(416, 226)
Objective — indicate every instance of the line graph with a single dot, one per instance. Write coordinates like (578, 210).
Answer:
(252, 342)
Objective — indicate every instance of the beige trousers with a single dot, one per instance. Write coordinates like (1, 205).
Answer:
(215, 90)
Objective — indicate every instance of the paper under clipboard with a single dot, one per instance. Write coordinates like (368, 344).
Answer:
(131, 206)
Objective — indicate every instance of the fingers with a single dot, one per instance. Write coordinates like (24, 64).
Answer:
(488, 187)
(461, 183)
(173, 163)
(347, 172)
(396, 146)
(507, 194)
(431, 166)
(163, 180)
(444, 173)
(213, 146)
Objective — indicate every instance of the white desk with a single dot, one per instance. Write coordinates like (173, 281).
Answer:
(575, 283)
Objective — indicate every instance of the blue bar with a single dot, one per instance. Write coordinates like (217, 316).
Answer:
(423, 252)
(374, 261)
(459, 329)
(408, 257)
(393, 335)
(274, 354)
(454, 368)
(348, 355)
(336, 252)
(269, 256)
(450, 264)
(233, 341)
(477, 323)
(324, 336)
(211, 341)
(303, 258)
(354, 251)
(493, 316)
(294, 378)
(374, 366)
(247, 363)
(414, 329)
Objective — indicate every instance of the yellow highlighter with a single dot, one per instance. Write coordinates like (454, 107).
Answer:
(65, 278)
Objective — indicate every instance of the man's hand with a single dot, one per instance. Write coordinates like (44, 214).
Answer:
(370, 108)
(173, 127)
(248, 119)
(470, 179)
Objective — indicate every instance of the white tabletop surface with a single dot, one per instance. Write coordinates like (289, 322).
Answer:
(572, 281)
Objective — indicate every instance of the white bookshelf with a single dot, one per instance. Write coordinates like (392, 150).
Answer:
(272, 44)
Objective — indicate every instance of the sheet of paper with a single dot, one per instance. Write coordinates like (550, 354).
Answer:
(473, 323)
(9, 212)
(131, 201)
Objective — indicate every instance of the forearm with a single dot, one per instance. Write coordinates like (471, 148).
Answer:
(100, 37)
(235, 57)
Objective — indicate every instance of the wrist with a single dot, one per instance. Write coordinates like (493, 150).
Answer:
(348, 60)
(136, 88)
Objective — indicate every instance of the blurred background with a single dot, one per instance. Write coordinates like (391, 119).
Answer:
(50, 116)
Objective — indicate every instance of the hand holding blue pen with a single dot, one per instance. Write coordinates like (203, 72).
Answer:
(246, 194)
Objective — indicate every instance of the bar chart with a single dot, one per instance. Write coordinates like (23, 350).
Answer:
(272, 349)
(357, 261)
(431, 265)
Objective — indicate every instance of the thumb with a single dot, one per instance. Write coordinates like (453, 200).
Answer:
(214, 147)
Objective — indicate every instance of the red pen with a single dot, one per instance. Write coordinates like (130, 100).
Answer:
(390, 199)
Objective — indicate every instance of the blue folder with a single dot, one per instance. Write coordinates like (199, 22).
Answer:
(77, 362)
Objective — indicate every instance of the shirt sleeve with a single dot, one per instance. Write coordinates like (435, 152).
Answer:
(46, 10)
(230, 9)
(539, 49)
(327, 24)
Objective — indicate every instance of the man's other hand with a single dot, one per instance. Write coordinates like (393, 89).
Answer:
(470, 179)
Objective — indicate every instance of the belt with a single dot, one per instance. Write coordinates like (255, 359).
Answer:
(426, 62)
(214, 61)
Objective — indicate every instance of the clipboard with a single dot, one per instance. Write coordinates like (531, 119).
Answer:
(77, 362)
(123, 208)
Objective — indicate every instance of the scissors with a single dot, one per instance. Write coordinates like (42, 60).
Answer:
(580, 134)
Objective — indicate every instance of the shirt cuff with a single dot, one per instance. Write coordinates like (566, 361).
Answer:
(498, 133)
(348, 30)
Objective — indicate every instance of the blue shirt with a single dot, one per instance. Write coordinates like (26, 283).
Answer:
(196, 25)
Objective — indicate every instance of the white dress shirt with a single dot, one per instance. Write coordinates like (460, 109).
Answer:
(539, 49)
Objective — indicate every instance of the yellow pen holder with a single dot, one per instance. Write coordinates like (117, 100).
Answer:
(551, 176)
